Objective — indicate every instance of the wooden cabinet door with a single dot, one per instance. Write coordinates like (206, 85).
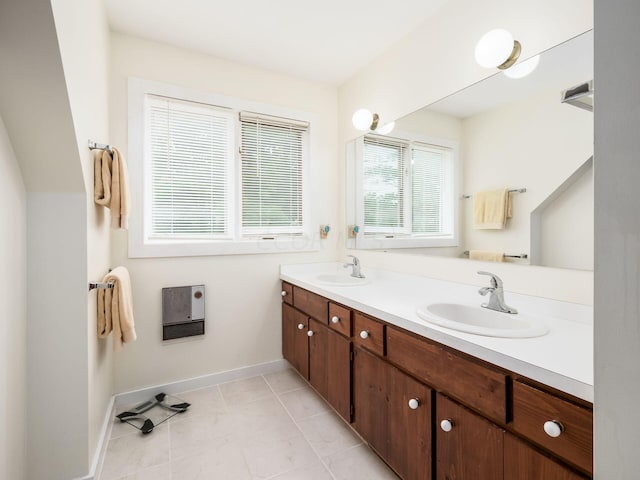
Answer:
(295, 343)
(339, 373)
(409, 435)
(370, 387)
(318, 350)
(400, 434)
(472, 449)
(522, 462)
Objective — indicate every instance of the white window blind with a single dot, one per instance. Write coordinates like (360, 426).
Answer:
(428, 184)
(384, 184)
(272, 152)
(190, 146)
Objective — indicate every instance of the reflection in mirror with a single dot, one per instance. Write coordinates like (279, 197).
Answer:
(414, 189)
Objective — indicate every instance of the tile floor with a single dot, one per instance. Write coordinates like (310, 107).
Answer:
(267, 427)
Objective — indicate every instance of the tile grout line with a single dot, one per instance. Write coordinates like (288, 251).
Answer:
(324, 464)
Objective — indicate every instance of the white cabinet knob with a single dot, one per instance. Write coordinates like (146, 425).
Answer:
(553, 428)
(301, 326)
(310, 333)
(446, 425)
(335, 319)
(364, 334)
(283, 293)
(414, 403)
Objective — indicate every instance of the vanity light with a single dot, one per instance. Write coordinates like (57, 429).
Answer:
(497, 49)
(363, 120)
(523, 69)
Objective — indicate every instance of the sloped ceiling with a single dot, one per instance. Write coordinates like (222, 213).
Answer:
(33, 98)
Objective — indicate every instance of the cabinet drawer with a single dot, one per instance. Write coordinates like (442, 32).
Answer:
(340, 319)
(473, 384)
(313, 305)
(533, 407)
(372, 331)
(287, 293)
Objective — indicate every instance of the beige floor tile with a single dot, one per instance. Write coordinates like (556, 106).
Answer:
(264, 419)
(159, 472)
(303, 403)
(358, 463)
(130, 453)
(285, 381)
(222, 460)
(313, 472)
(245, 391)
(201, 433)
(203, 401)
(328, 434)
(269, 458)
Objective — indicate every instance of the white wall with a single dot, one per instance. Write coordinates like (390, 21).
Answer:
(242, 291)
(13, 326)
(83, 36)
(412, 74)
(617, 240)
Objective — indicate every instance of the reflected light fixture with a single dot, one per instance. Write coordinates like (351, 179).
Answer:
(363, 119)
(497, 49)
(522, 69)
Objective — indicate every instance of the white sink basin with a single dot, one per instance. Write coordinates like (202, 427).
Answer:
(482, 321)
(340, 280)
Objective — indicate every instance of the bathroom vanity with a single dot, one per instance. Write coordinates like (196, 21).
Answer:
(436, 403)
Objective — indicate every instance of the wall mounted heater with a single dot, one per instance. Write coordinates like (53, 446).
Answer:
(579, 96)
(182, 312)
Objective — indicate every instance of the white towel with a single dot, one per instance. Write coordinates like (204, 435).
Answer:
(115, 308)
(111, 186)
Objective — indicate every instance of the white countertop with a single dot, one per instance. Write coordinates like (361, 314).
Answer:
(563, 358)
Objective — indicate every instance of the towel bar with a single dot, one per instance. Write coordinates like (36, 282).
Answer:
(522, 255)
(515, 190)
(99, 146)
(100, 285)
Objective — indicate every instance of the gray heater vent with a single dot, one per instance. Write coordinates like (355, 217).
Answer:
(580, 96)
(182, 312)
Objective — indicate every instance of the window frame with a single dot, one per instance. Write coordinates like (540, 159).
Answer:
(141, 242)
(401, 239)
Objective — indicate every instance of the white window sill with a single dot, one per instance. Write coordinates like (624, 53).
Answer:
(379, 242)
(191, 248)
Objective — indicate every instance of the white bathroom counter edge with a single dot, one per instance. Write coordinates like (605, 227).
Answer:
(562, 359)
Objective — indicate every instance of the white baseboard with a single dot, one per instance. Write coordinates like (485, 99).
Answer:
(101, 448)
(137, 396)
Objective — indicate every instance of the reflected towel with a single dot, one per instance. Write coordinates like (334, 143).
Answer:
(115, 308)
(111, 186)
(491, 209)
(486, 255)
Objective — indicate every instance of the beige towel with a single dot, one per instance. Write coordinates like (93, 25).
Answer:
(115, 308)
(486, 255)
(111, 186)
(491, 209)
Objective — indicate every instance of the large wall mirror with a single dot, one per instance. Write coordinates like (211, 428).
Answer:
(412, 190)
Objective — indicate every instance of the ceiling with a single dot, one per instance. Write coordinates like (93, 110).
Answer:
(325, 41)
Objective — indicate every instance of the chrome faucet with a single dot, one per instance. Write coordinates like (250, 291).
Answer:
(496, 300)
(356, 267)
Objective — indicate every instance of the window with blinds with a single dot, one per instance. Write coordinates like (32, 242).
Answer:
(384, 184)
(407, 187)
(190, 147)
(272, 151)
(428, 185)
